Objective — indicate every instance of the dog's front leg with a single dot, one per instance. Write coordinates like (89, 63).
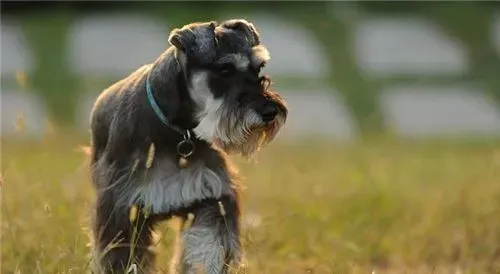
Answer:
(212, 241)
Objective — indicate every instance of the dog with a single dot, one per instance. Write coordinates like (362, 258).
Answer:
(160, 140)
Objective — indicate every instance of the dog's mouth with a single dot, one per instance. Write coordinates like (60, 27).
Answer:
(263, 127)
(246, 140)
(243, 124)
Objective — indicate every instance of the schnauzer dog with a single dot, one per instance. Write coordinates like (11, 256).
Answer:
(159, 144)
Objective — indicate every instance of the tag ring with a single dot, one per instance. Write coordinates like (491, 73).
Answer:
(185, 148)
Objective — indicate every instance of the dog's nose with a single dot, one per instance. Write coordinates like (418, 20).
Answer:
(269, 112)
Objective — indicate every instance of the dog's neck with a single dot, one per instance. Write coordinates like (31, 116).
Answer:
(167, 82)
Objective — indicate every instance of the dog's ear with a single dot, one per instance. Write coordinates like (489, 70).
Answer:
(246, 27)
(194, 37)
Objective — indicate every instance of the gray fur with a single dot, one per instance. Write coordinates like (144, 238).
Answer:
(211, 243)
(234, 113)
(203, 249)
(167, 188)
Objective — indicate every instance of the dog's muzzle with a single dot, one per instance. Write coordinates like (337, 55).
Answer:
(250, 118)
(268, 111)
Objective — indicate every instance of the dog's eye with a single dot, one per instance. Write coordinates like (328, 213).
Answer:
(261, 66)
(226, 70)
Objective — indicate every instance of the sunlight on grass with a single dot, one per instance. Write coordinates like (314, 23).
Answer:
(380, 206)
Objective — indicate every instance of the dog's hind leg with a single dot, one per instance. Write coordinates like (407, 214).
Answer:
(211, 244)
(121, 239)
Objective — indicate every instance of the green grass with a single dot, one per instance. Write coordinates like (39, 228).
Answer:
(393, 207)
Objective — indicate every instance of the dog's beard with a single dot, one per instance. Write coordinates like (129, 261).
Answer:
(244, 132)
(229, 125)
(236, 131)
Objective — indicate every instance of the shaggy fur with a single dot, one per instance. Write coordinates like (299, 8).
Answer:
(206, 82)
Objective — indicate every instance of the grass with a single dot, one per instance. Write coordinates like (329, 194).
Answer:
(389, 207)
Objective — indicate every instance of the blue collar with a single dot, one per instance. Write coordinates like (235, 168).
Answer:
(158, 111)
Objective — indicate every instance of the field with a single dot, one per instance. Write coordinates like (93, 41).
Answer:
(383, 206)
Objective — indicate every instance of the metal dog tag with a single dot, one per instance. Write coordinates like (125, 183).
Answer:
(185, 148)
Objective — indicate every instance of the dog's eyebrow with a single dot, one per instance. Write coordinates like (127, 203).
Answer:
(260, 55)
(240, 61)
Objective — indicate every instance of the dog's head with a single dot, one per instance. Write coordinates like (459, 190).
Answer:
(234, 107)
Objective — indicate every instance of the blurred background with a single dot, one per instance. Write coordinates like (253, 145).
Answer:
(392, 156)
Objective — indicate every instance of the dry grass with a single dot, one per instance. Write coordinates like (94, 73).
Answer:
(393, 208)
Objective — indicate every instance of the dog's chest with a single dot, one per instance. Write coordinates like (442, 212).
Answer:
(166, 187)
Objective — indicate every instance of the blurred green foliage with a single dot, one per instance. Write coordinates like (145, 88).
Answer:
(468, 21)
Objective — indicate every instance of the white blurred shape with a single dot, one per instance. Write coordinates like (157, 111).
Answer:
(406, 46)
(115, 44)
(294, 50)
(22, 113)
(455, 111)
(318, 113)
(15, 53)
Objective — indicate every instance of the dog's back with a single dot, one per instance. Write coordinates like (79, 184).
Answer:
(108, 105)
